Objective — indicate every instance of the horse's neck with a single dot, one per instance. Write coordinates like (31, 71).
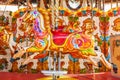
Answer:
(11, 37)
(41, 22)
(19, 24)
(19, 32)
(11, 42)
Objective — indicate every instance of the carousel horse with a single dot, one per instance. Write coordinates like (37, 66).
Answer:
(78, 44)
(22, 32)
(23, 28)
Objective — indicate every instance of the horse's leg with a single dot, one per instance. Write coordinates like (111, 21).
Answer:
(101, 57)
(36, 55)
(19, 54)
(91, 58)
(11, 43)
(11, 48)
(26, 61)
(105, 62)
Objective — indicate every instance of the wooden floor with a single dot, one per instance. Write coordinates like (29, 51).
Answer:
(38, 76)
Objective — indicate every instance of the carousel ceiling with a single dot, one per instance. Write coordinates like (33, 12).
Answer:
(15, 2)
(71, 4)
(35, 1)
(109, 1)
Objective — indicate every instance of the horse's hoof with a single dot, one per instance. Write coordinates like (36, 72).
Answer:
(22, 66)
(115, 69)
(99, 64)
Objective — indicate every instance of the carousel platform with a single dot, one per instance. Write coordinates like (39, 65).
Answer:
(39, 76)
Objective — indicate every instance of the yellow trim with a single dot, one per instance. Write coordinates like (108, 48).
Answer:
(60, 78)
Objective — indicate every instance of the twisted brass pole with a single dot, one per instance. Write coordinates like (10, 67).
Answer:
(117, 3)
(111, 3)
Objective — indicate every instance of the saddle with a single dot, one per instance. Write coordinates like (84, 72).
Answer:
(59, 36)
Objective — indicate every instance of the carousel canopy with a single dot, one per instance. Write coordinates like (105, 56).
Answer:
(12, 5)
(35, 1)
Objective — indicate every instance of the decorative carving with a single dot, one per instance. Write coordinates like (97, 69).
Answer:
(74, 4)
(88, 26)
(116, 26)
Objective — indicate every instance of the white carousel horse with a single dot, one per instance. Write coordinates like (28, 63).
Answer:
(21, 51)
(98, 55)
(11, 41)
(19, 24)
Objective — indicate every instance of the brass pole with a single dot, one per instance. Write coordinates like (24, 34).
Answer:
(96, 3)
(103, 5)
(38, 3)
(92, 11)
(111, 3)
(99, 4)
(117, 3)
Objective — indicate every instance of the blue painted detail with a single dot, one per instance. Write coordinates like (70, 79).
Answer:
(21, 13)
(62, 12)
(73, 59)
(108, 57)
(115, 12)
(105, 38)
(42, 42)
(94, 12)
(84, 12)
(14, 38)
(74, 44)
(21, 40)
(71, 30)
(43, 59)
(12, 60)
